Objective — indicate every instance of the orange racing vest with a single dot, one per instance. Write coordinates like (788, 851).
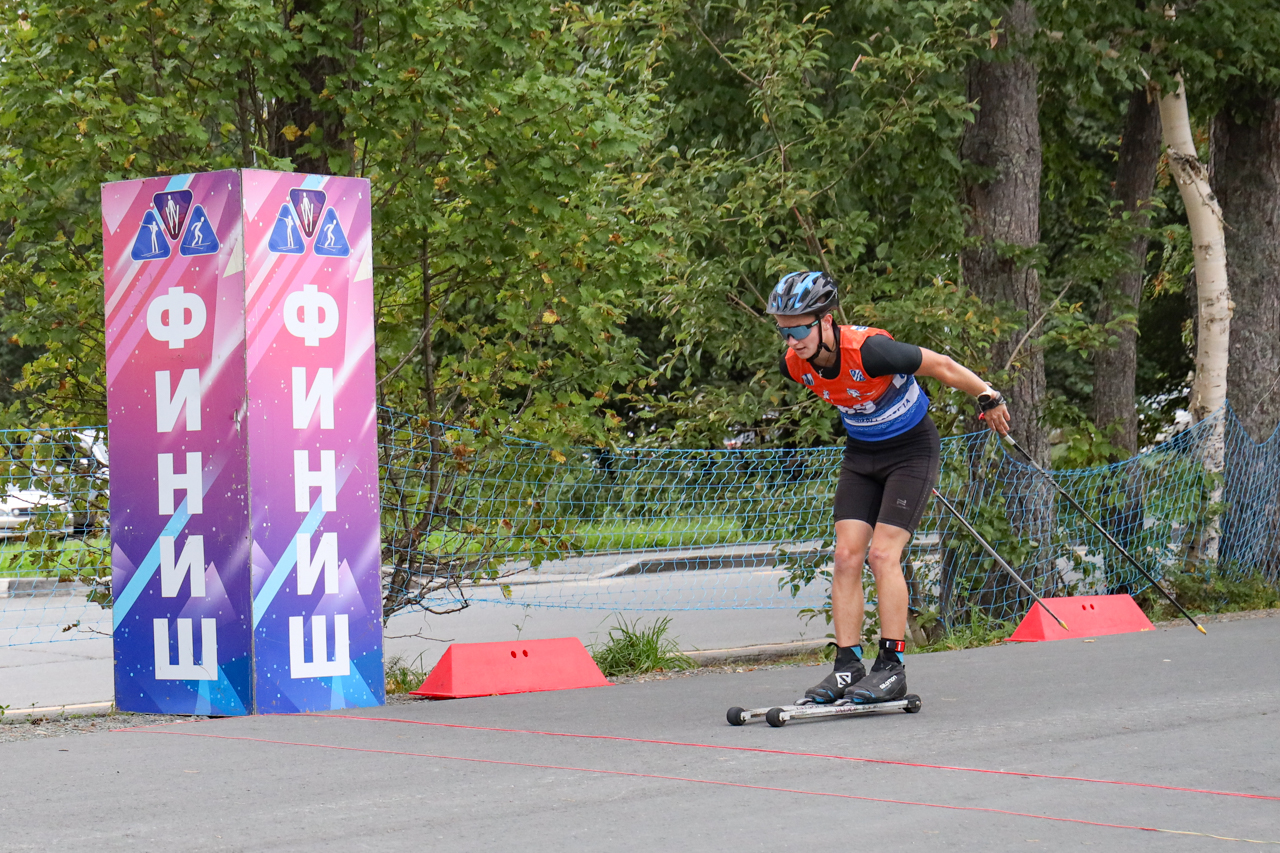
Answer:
(872, 409)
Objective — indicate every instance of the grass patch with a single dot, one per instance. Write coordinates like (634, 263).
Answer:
(619, 535)
(49, 555)
(1207, 593)
(624, 535)
(633, 649)
(402, 677)
(981, 630)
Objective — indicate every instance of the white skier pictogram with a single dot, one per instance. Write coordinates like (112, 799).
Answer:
(285, 237)
(154, 226)
(288, 230)
(200, 237)
(332, 242)
(150, 244)
(172, 214)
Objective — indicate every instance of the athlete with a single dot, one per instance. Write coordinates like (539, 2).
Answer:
(889, 468)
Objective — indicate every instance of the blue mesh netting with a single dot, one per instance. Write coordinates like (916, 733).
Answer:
(469, 519)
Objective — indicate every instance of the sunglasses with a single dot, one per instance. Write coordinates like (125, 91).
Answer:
(797, 332)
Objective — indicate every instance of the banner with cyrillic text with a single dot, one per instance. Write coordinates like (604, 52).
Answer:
(174, 273)
(240, 388)
(317, 588)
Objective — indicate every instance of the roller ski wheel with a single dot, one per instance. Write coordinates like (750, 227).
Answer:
(736, 716)
(913, 704)
(775, 718)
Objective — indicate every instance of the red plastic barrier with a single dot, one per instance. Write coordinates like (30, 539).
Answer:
(1085, 615)
(492, 669)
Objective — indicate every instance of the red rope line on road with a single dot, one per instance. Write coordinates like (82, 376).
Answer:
(808, 755)
(694, 780)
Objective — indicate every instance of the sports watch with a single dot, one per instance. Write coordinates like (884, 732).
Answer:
(990, 399)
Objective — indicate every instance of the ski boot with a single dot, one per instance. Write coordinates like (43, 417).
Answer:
(848, 672)
(887, 680)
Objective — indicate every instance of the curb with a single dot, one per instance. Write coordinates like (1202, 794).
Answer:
(1210, 618)
(44, 587)
(743, 654)
(84, 709)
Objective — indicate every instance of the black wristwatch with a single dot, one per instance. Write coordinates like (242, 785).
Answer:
(989, 400)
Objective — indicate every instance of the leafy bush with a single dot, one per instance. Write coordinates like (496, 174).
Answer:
(403, 677)
(1208, 592)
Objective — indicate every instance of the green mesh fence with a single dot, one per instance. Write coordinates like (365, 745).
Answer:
(467, 519)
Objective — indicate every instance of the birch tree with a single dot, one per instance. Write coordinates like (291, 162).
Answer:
(1204, 218)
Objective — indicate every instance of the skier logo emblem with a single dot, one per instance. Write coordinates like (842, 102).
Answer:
(307, 204)
(857, 376)
(172, 207)
(331, 241)
(150, 244)
(843, 679)
(199, 238)
(285, 237)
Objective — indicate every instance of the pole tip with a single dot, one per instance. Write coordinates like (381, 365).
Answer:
(1201, 629)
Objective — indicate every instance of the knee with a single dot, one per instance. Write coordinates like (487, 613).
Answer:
(848, 561)
(884, 559)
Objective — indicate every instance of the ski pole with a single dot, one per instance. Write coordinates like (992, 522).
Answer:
(1105, 534)
(999, 560)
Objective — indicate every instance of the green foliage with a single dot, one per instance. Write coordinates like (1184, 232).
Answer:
(1218, 590)
(803, 137)
(979, 630)
(510, 231)
(634, 649)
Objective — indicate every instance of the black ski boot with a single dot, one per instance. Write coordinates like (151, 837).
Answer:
(848, 671)
(887, 680)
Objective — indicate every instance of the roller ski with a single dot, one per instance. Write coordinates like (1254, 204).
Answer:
(779, 716)
(849, 690)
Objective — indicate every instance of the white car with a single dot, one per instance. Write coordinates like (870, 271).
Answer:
(23, 511)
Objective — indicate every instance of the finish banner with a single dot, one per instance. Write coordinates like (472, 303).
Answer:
(242, 428)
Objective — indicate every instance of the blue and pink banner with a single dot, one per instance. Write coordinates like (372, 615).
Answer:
(244, 490)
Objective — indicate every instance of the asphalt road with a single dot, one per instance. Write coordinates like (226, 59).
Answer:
(1163, 708)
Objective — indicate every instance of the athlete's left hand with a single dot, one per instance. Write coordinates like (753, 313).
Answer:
(998, 419)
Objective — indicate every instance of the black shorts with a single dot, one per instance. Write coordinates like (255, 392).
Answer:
(889, 481)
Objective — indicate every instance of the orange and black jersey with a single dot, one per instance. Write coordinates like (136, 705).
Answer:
(871, 382)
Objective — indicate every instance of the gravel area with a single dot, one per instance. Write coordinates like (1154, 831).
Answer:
(14, 729)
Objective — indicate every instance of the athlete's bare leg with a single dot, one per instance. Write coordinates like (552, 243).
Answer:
(886, 544)
(852, 540)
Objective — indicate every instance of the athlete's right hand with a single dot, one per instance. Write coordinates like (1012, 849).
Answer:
(997, 419)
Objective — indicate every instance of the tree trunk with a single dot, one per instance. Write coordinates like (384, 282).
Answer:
(1115, 369)
(308, 118)
(1004, 141)
(1003, 144)
(1245, 174)
(1213, 299)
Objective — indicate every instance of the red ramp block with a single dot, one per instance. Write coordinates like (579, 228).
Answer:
(1085, 615)
(491, 669)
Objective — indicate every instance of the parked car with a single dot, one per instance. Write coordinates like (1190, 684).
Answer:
(25, 511)
(73, 465)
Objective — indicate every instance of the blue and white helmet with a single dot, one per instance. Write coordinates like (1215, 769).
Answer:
(800, 293)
